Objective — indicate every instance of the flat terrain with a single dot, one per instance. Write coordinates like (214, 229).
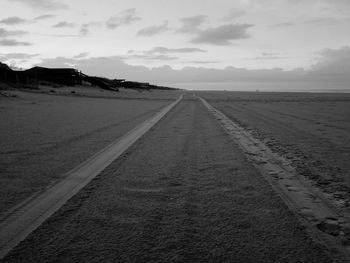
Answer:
(312, 130)
(185, 192)
(43, 136)
(88, 91)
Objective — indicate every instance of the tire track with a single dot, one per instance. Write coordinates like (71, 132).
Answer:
(183, 193)
(319, 213)
(21, 222)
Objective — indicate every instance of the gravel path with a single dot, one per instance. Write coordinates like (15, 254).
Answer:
(183, 193)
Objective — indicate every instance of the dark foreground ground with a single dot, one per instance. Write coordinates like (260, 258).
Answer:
(311, 130)
(183, 193)
(43, 136)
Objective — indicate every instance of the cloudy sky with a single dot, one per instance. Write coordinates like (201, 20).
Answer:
(165, 41)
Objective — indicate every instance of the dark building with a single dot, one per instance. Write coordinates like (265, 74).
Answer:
(8, 75)
(67, 77)
(62, 76)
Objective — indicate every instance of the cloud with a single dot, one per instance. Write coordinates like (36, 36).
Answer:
(13, 20)
(8, 56)
(322, 5)
(7, 33)
(81, 55)
(43, 17)
(165, 50)
(153, 30)
(59, 62)
(5, 41)
(13, 42)
(333, 64)
(222, 35)
(43, 4)
(125, 17)
(191, 24)
(160, 53)
(161, 57)
(84, 29)
(64, 24)
(270, 56)
(326, 21)
(202, 61)
(285, 24)
(116, 67)
(233, 14)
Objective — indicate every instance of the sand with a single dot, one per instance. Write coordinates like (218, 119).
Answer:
(88, 91)
(44, 136)
(183, 193)
(311, 130)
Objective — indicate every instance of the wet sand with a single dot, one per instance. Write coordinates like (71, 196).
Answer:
(44, 136)
(184, 193)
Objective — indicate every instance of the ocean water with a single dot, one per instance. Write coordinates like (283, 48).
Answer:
(307, 86)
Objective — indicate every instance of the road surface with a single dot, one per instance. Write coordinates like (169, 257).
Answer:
(184, 192)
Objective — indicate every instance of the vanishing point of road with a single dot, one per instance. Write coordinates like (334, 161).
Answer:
(184, 192)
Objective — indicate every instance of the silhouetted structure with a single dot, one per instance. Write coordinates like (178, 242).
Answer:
(8, 75)
(103, 83)
(30, 78)
(61, 76)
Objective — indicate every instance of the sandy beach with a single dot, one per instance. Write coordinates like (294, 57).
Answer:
(45, 135)
(175, 131)
(185, 191)
(311, 130)
(198, 201)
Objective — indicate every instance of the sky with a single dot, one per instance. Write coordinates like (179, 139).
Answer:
(185, 41)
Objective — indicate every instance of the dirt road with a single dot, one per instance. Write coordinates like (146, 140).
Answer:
(183, 193)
